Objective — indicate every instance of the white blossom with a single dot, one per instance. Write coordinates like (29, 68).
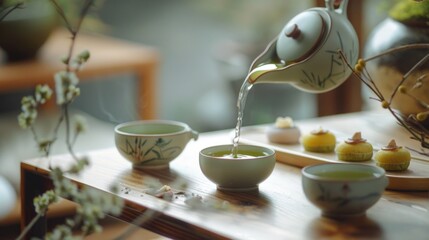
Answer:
(61, 232)
(43, 93)
(80, 124)
(27, 118)
(66, 87)
(42, 202)
(28, 104)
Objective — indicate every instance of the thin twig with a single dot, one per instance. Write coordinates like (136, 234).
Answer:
(358, 75)
(10, 10)
(415, 134)
(68, 126)
(62, 14)
(398, 49)
(60, 120)
(375, 89)
(406, 75)
(402, 123)
(74, 140)
(33, 131)
(29, 226)
(75, 32)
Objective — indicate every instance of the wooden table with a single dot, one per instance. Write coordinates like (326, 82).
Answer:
(108, 57)
(279, 210)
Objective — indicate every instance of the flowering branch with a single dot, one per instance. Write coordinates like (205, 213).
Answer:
(414, 126)
(92, 205)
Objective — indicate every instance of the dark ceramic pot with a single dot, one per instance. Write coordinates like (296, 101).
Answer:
(387, 71)
(24, 31)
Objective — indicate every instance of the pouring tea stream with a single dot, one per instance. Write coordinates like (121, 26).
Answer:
(306, 55)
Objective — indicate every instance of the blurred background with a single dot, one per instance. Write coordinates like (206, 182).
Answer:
(206, 48)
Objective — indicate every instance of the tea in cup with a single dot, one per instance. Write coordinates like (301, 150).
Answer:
(342, 189)
(241, 172)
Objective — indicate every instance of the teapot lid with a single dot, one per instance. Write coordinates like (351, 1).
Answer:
(300, 37)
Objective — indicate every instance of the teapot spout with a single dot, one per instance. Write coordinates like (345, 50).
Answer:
(296, 75)
(269, 55)
(265, 65)
(266, 73)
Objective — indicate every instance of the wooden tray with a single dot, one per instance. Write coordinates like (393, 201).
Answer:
(375, 128)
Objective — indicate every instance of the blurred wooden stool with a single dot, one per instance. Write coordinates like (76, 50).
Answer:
(109, 56)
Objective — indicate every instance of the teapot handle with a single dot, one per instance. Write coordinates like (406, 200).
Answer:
(342, 9)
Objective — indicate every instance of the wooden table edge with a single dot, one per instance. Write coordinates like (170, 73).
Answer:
(162, 224)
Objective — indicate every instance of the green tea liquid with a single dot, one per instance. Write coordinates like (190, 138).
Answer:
(346, 175)
(239, 155)
(242, 95)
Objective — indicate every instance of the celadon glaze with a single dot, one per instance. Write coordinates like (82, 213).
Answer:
(306, 52)
(152, 143)
(237, 174)
(343, 190)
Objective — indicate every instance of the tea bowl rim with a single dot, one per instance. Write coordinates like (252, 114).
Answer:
(380, 173)
(185, 126)
(222, 146)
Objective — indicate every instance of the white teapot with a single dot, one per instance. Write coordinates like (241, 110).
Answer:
(306, 52)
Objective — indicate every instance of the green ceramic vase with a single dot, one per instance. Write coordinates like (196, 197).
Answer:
(24, 31)
(387, 71)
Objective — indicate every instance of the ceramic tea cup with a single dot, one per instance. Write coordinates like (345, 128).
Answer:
(152, 143)
(343, 190)
(237, 174)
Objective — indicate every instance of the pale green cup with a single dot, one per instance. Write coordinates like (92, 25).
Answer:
(342, 189)
(152, 143)
(232, 174)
